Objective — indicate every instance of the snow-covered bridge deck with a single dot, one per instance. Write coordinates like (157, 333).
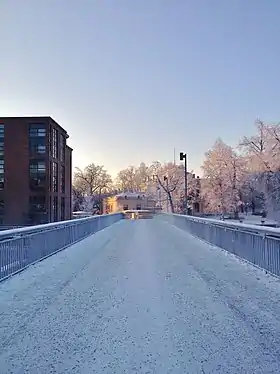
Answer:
(140, 297)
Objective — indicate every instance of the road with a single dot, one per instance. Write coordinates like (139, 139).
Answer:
(140, 297)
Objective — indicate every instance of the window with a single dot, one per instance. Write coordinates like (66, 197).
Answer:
(40, 149)
(125, 207)
(55, 208)
(2, 130)
(138, 207)
(51, 208)
(2, 206)
(1, 164)
(54, 177)
(62, 145)
(37, 167)
(37, 209)
(37, 146)
(37, 172)
(62, 179)
(37, 203)
(37, 130)
(54, 143)
(2, 180)
(62, 209)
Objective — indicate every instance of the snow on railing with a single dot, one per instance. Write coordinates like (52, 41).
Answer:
(254, 228)
(22, 231)
(22, 247)
(256, 244)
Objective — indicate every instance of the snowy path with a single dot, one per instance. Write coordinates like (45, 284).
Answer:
(140, 297)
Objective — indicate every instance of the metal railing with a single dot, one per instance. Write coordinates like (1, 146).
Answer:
(256, 244)
(22, 247)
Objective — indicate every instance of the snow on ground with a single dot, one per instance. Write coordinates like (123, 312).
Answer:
(140, 297)
(251, 220)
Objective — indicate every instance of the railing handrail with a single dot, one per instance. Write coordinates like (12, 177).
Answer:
(257, 229)
(136, 211)
(44, 227)
(20, 248)
(256, 244)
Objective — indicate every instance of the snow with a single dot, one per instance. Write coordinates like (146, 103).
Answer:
(257, 220)
(232, 224)
(140, 297)
(252, 220)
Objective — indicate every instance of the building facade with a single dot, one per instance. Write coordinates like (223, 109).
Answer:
(35, 171)
(128, 201)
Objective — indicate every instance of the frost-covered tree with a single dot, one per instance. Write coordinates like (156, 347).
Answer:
(89, 184)
(126, 180)
(142, 177)
(169, 177)
(77, 199)
(133, 178)
(262, 151)
(224, 172)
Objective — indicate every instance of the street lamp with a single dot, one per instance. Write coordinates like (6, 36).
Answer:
(166, 180)
(183, 156)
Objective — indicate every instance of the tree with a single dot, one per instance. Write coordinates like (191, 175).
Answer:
(126, 180)
(257, 149)
(77, 199)
(90, 183)
(133, 179)
(169, 177)
(224, 173)
(263, 153)
(142, 177)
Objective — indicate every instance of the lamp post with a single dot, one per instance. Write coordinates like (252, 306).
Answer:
(166, 180)
(183, 156)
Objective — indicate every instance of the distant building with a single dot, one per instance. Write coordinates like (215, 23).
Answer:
(128, 201)
(35, 171)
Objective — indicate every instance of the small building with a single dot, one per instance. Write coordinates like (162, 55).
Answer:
(128, 201)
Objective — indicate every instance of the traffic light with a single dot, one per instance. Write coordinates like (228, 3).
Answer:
(182, 156)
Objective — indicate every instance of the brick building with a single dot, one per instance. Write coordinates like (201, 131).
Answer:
(35, 171)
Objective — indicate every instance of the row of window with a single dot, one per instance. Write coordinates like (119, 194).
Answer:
(37, 130)
(37, 146)
(55, 174)
(38, 208)
(138, 207)
(37, 139)
(37, 172)
(37, 142)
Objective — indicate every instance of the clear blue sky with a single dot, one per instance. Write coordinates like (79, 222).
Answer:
(132, 79)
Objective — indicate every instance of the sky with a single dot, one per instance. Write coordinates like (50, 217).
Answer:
(130, 80)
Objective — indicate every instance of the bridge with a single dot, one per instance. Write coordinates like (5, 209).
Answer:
(172, 294)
